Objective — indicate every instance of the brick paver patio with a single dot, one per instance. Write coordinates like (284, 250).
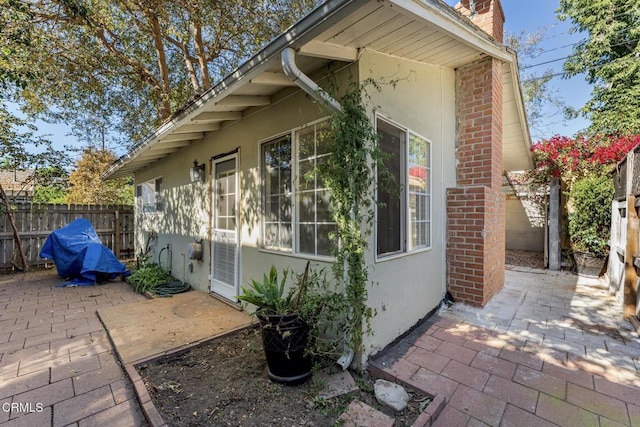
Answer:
(57, 365)
(550, 349)
(547, 350)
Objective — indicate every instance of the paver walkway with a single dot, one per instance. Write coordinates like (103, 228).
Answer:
(549, 349)
(57, 365)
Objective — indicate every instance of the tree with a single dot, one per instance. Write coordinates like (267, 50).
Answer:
(86, 187)
(125, 66)
(609, 55)
(20, 148)
(542, 104)
(51, 185)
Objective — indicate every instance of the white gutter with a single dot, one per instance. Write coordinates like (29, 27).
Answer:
(294, 73)
(305, 83)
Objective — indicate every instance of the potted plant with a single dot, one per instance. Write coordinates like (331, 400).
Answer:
(590, 222)
(285, 333)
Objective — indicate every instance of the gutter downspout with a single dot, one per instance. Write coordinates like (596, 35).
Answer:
(296, 75)
(305, 83)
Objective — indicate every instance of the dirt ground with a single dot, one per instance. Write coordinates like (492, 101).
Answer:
(224, 382)
(525, 259)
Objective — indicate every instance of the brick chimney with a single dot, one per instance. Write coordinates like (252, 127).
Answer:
(476, 205)
(486, 14)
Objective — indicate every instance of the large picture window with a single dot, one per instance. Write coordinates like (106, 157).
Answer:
(297, 217)
(403, 192)
(149, 196)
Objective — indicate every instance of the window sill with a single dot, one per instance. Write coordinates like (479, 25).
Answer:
(316, 258)
(402, 255)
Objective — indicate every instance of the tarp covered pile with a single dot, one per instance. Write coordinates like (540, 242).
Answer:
(80, 256)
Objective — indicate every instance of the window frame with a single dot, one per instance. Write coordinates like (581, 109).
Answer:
(295, 192)
(406, 247)
(157, 184)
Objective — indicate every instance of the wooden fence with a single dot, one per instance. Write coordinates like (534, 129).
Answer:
(624, 256)
(114, 225)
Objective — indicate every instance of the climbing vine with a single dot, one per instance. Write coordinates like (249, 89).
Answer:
(350, 174)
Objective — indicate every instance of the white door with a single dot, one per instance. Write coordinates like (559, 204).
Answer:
(225, 242)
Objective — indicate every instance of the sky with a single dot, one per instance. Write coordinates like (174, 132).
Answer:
(556, 44)
(527, 16)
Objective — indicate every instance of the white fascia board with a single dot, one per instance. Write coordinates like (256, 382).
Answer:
(519, 101)
(449, 23)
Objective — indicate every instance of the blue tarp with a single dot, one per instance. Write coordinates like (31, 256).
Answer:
(80, 256)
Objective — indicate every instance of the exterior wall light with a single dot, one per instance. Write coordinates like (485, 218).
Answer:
(197, 172)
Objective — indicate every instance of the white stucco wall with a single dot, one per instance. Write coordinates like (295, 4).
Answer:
(407, 287)
(187, 206)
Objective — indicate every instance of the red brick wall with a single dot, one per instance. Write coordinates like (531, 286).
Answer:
(489, 16)
(475, 243)
(476, 206)
(479, 133)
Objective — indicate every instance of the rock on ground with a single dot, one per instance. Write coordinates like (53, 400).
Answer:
(391, 395)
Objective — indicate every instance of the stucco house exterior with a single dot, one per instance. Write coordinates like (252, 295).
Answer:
(453, 124)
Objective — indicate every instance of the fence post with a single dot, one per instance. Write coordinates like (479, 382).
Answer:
(554, 225)
(631, 249)
(116, 233)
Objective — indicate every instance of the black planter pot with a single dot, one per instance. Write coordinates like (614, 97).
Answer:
(588, 265)
(285, 339)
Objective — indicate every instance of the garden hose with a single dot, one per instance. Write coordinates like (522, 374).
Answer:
(171, 288)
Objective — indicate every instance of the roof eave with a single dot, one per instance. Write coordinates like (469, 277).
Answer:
(295, 36)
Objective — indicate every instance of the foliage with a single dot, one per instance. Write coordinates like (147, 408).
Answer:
(608, 56)
(86, 186)
(543, 105)
(51, 185)
(123, 67)
(310, 296)
(269, 296)
(148, 277)
(579, 157)
(15, 42)
(20, 147)
(590, 214)
(349, 174)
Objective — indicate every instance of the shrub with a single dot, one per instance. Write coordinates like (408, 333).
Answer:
(590, 214)
(148, 277)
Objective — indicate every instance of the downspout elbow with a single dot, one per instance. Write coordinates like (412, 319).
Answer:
(305, 83)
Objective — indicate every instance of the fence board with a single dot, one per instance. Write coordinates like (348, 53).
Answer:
(36, 221)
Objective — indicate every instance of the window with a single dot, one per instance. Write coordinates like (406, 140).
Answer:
(314, 220)
(297, 218)
(149, 196)
(276, 178)
(404, 191)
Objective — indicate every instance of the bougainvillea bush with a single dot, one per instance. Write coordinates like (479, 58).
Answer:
(574, 158)
(584, 164)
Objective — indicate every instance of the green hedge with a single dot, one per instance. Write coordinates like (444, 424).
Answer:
(590, 217)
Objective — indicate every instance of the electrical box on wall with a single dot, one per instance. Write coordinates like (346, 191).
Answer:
(194, 250)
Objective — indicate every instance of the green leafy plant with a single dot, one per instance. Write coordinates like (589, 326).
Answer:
(147, 277)
(269, 296)
(590, 214)
(355, 163)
